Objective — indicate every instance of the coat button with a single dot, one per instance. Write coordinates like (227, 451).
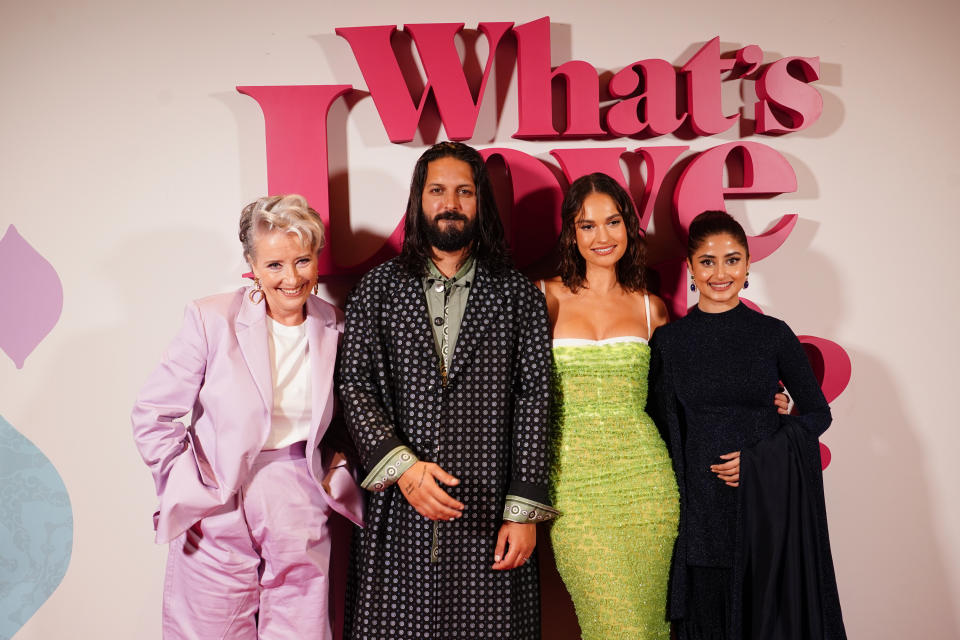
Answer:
(438, 321)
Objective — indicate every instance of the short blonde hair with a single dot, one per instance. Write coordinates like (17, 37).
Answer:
(289, 213)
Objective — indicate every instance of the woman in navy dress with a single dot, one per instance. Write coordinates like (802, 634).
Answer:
(752, 558)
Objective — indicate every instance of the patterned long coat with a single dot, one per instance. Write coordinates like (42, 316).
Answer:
(488, 427)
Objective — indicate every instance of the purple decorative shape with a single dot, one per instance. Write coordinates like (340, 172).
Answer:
(32, 297)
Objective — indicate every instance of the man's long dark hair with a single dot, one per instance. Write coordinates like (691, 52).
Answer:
(632, 267)
(489, 246)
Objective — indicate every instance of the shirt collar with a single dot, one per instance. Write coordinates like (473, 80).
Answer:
(463, 276)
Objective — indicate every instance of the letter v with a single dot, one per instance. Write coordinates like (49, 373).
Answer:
(441, 63)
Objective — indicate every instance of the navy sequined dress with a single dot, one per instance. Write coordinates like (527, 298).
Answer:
(713, 379)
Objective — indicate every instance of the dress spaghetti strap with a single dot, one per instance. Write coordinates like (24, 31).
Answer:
(543, 287)
(646, 303)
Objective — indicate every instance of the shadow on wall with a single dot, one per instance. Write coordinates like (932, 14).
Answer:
(893, 582)
(890, 567)
(251, 152)
(350, 246)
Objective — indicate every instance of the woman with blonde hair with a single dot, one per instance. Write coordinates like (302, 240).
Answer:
(247, 486)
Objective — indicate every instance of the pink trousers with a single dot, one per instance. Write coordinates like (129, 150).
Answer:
(259, 566)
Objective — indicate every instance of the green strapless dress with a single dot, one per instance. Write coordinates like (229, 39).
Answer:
(613, 481)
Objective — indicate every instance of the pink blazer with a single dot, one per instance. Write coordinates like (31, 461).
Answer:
(218, 367)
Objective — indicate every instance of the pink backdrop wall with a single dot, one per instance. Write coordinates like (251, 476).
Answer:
(127, 154)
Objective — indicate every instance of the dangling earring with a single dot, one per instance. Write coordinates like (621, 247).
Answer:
(693, 287)
(746, 283)
(253, 294)
(316, 288)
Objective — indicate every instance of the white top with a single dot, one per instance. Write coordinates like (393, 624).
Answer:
(579, 342)
(292, 394)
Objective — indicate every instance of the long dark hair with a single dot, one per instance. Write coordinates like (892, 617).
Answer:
(711, 223)
(489, 246)
(632, 267)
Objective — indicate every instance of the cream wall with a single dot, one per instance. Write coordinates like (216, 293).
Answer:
(126, 154)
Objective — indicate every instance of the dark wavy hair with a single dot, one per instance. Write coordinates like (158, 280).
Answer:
(632, 267)
(489, 247)
(711, 223)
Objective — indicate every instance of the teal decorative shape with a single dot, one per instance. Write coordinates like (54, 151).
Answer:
(36, 529)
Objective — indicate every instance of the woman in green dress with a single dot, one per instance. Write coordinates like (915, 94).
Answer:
(612, 477)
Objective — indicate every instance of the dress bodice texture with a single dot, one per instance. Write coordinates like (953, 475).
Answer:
(613, 481)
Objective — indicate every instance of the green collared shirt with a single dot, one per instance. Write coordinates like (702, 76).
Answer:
(446, 302)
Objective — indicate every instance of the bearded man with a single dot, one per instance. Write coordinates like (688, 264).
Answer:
(444, 378)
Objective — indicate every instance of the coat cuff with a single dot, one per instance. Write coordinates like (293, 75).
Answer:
(528, 502)
(525, 511)
(390, 468)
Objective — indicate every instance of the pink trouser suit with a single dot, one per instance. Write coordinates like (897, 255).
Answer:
(248, 529)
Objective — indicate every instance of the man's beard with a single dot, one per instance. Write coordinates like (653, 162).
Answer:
(451, 237)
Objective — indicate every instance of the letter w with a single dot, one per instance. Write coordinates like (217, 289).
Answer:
(442, 65)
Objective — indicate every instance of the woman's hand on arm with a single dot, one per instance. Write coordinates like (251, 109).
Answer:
(729, 471)
(782, 401)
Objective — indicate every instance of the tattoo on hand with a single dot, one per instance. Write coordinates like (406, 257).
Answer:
(411, 488)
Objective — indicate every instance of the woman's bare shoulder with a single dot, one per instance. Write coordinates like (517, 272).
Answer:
(659, 315)
(554, 287)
